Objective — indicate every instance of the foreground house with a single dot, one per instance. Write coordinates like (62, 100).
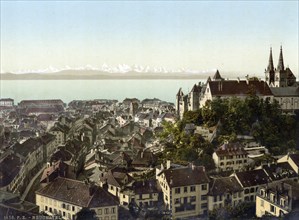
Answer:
(66, 197)
(225, 191)
(184, 190)
(277, 199)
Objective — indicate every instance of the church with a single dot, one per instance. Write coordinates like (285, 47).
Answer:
(280, 84)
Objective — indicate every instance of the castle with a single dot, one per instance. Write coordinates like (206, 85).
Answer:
(280, 84)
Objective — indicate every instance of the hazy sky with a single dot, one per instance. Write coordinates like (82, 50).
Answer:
(231, 36)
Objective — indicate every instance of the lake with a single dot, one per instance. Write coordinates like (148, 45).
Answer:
(68, 90)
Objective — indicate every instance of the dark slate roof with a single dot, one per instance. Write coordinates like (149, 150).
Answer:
(285, 91)
(186, 176)
(145, 187)
(280, 171)
(217, 75)
(230, 149)
(117, 177)
(27, 147)
(239, 88)
(77, 193)
(61, 154)
(252, 178)
(223, 185)
(195, 88)
(295, 158)
(9, 168)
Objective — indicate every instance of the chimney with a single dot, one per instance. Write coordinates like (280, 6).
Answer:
(168, 164)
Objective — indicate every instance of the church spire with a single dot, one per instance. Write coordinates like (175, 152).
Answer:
(270, 64)
(280, 65)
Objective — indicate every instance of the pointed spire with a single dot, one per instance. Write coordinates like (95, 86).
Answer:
(180, 92)
(270, 64)
(280, 65)
(217, 76)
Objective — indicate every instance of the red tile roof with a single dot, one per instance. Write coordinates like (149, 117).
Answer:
(239, 88)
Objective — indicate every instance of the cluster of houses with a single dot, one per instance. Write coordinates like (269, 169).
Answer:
(100, 157)
(77, 143)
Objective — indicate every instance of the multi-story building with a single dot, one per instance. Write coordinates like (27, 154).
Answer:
(224, 191)
(230, 156)
(251, 181)
(184, 190)
(277, 199)
(66, 197)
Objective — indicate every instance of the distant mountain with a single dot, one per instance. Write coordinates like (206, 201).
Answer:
(98, 74)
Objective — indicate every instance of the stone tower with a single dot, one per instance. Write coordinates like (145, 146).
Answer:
(269, 72)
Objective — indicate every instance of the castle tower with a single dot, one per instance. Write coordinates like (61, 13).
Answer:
(269, 72)
(179, 97)
(194, 98)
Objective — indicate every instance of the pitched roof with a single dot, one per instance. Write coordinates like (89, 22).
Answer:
(222, 185)
(116, 177)
(145, 187)
(252, 178)
(217, 76)
(186, 176)
(77, 193)
(239, 88)
(9, 168)
(295, 158)
(285, 91)
(280, 171)
(229, 149)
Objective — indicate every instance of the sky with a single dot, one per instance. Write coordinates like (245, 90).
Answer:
(232, 36)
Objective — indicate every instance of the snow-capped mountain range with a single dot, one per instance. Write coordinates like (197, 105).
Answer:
(120, 69)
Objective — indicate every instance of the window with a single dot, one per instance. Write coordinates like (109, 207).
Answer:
(192, 198)
(124, 196)
(63, 213)
(113, 210)
(46, 208)
(100, 211)
(282, 202)
(50, 209)
(192, 188)
(204, 205)
(203, 197)
(73, 208)
(177, 190)
(185, 189)
(262, 192)
(106, 211)
(252, 190)
(272, 208)
(177, 201)
(204, 187)
(215, 198)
